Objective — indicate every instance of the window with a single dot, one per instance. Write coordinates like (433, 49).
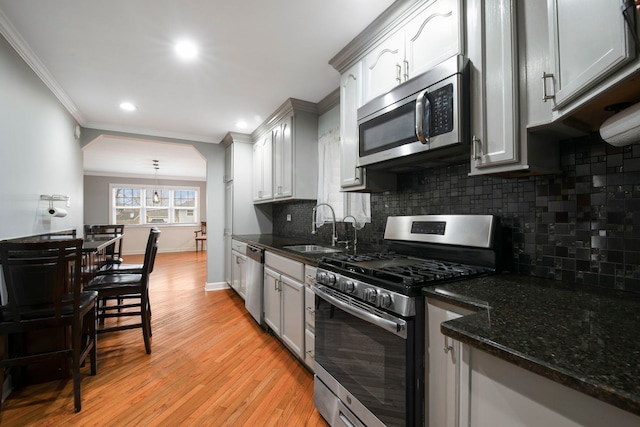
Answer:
(344, 204)
(139, 205)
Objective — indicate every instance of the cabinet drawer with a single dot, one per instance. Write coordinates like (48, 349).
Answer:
(309, 275)
(287, 266)
(309, 348)
(309, 309)
(239, 246)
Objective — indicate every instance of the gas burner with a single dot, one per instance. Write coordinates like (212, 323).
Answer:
(423, 252)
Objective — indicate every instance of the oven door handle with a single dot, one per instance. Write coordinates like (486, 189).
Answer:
(396, 326)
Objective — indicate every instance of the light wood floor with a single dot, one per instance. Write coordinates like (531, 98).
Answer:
(211, 365)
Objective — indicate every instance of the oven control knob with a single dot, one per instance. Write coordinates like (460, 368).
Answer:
(370, 295)
(349, 286)
(322, 278)
(331, 279)
(385, 300)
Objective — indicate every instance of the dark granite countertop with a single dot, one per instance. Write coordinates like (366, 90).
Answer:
(585, 338)
(276, 243)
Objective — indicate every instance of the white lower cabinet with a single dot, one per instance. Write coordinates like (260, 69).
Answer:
(239, 268)
(284, 300)
(445, 372)
(469, 387)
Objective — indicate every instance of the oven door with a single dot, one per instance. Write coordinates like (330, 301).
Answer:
(368, 357)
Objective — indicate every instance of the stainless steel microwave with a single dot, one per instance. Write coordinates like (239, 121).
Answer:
(423, 122)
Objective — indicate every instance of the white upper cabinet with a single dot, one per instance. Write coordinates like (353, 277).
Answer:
(285, 158)
(430, 36)
(492, 42)
(350, 101)
(383, 66)
(588, 40)
(263, 169)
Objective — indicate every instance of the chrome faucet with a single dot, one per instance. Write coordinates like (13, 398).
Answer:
(334, 237)
(355, 231)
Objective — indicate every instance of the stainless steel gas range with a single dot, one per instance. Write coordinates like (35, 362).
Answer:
(370, 316)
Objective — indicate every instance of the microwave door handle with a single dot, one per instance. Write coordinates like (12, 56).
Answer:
(423, 105)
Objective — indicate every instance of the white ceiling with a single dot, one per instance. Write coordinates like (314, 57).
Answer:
(254, 54)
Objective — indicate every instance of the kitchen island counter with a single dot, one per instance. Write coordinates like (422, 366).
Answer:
(583, 337)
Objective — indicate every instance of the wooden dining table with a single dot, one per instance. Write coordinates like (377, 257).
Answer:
(94, 250)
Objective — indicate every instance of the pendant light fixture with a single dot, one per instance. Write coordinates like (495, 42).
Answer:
(156, 197)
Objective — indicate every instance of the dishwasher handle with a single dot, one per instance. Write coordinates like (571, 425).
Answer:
(255, 253)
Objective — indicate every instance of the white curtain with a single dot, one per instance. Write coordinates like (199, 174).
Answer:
(357, 204)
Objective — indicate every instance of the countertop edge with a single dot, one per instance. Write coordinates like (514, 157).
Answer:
(558, 375)
(597, 390)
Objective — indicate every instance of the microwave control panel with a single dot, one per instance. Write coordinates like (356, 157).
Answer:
(442, 109)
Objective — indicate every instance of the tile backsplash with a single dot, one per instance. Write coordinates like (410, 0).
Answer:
(581, 225)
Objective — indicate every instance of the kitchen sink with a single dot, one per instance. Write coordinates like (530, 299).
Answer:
(312, 249)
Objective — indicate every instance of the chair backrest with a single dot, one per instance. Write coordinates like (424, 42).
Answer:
(114, 251)
(150, 252)
(203, 227)
(42, 281)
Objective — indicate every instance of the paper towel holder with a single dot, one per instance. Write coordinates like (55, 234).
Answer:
(623, 128)
(56, 198)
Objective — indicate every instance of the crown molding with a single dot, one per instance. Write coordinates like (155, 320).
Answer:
(151, 133)
(236, 137)
(290, 106)
(23, 49)
(329, 101)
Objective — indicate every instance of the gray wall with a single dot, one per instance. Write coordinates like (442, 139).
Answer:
(38, 153)
(96, 195)
(329, 120)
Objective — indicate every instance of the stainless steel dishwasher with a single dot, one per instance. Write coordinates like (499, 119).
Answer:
(255, 272)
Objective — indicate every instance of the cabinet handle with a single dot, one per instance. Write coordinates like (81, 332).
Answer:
(406, 70)
(311, 355)
(546, 76)
(447, 347)
(398, 73)
(475, 141)
(310, 310)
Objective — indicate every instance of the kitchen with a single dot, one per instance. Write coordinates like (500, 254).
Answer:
(576, 225)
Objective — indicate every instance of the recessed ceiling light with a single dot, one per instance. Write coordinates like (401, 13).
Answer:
(241, 124)
(186, 49)
(127, 106)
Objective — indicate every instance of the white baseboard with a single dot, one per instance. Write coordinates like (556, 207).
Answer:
(217, 286)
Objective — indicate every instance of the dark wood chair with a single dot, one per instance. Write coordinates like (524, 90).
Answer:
(113, 254)
(201, 235)
(44, 293)
(129, 293)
